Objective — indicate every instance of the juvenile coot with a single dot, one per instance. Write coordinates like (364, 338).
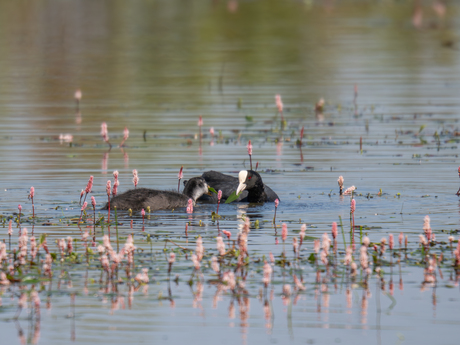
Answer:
(141, 198)
(254, 191)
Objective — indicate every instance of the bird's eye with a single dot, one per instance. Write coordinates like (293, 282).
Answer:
(249, 177)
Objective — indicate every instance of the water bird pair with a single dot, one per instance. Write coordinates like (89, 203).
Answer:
(248, 185)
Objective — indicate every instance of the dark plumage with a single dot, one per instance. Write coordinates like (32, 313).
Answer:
(255, 191)
(141, 198)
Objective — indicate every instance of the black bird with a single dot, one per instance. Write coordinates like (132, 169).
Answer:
(141, 198)
(249, 183)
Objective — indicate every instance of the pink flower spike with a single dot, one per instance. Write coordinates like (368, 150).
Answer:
(219, 195)
(32, 192)
(279, 103)
(143, 212)
(135, 178)
(181, 174)
(115, 174)
(211, 131)
(190, 206)
(78, 95)
(227, 233)
(89, 186)
(200, 121)
(391, 241)
(284, 232)
(10, 228)
(104, 132)
(93, 202)
(108, 188)
(20, 208)
(84, 206)
(353, 206)
(400, 238)
(249, 147)
(334, 230)
(277, 202)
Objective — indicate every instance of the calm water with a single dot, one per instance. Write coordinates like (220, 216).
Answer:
(155, 66)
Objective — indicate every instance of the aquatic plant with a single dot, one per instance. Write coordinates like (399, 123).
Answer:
(180, 176)
(77, 97)
(105, 134)
(125, 136)
(277, 202)
(31, 197)
(249, 147)
(135, 178)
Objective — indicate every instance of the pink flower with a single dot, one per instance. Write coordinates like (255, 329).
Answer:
(115, 174)
(400, 238)
(196, 262)
(340, 181)
(135, 178)
(249, 147)
(190, 206)
(108, 188)
(219, 195)
(220, 245)
(200, 121)
(10, 228)
(104, 132)
(334, 230)
(143, 212)
(89, 186)
(287, 290)
(211, 130)
(349, 190)
(84, 206)
(93, 202)
(19, 208)
(125, 134)
(227, 233)
(284, 232)
(277, 202)
(199, 250)
(366, 241)
(78, 95)
(316, 246)
(215, 264)
(267, 274)
(303, 228)
(353, 206)
(279, 103)
(32, 192)
(391, 241)
(298, 283)
(172, 258)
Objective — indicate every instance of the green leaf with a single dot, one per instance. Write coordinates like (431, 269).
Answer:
(212, 190)
(42, 238)
(232, 197)
(248, 118)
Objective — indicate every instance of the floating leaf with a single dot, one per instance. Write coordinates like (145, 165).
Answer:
(248, 118)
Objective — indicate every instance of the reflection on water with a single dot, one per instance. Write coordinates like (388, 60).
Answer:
(193, 82)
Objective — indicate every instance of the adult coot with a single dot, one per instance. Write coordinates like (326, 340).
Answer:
(248, 182)
(141, 198)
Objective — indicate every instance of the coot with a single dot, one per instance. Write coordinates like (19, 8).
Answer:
(254, 191)
(141, 198)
